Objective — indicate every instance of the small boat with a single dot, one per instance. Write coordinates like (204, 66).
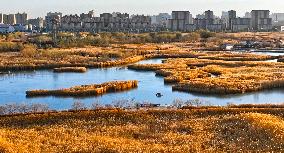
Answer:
(159, 95)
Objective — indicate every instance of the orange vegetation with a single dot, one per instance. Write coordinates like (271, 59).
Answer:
(218, 76)
(116, 55)
(70, 69)
(93, 57)
(176, 131)
(87, 90)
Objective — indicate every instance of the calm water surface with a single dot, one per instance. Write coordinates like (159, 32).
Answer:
(270, 53)
(13, 87)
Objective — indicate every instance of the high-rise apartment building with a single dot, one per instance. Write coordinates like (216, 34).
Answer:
(240, 24)
(277, 19)
(179, 21)
(8, 19)
(1, 18)
(208, 22)
(21, 18)
(247, 15)
(160, 21)
(52, 16)
(209, 14)
(11, 19)
(231, 15)
(37, 24)
(260, 20)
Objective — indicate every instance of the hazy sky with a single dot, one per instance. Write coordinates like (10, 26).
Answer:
(40, 7)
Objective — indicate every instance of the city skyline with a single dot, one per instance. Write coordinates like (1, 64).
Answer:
(40, 8)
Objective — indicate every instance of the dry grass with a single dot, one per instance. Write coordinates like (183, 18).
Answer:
(237, 57)
(115, 55)
(200, 130)
(93, 57)
(218, 76)
(11, 47)
(228, 80)
(70, 69)
(250, 132)
(87, 90)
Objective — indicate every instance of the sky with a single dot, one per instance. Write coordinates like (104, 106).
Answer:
(39, 8)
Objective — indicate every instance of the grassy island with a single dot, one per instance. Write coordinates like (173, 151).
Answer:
(70, 69)
(87, 90)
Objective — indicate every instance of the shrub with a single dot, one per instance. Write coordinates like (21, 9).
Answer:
(14, 108)
(178, 36)
(191, 37)
(2, 37)
(194, 102)
(178, 103)
(42, 39)
(11, 47)
(206, 34)
(29, 51)
(36, 108)
(123, 103)
(165, 37)
(77, 105)
(101, 41)
(119, 36)
(96, 105)
(17, 35)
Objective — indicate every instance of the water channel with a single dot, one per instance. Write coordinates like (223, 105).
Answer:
(14, 86)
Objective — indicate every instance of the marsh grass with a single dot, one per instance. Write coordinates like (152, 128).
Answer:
(70, 69)
(87, 90)
(196, 130)
(11, 47)
(208, 76)
(31, 58)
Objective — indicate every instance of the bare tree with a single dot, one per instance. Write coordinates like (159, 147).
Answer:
(77, 105)
(108, 106)
(178, 103)
(194, 102)
(122, 103)
(23, 108)
(36, 107)
(96, 105)
(3, 110)
(11, 108)
(132, 103)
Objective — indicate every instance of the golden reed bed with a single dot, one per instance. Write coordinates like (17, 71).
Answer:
(170, 131)
(217, 76)
(100, 57)
(87, 90)
(70, 69)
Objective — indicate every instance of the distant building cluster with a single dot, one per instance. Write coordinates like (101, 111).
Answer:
(106, 22)
(183, 21)
(19, 18)
(19, 22)
(256, 20)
